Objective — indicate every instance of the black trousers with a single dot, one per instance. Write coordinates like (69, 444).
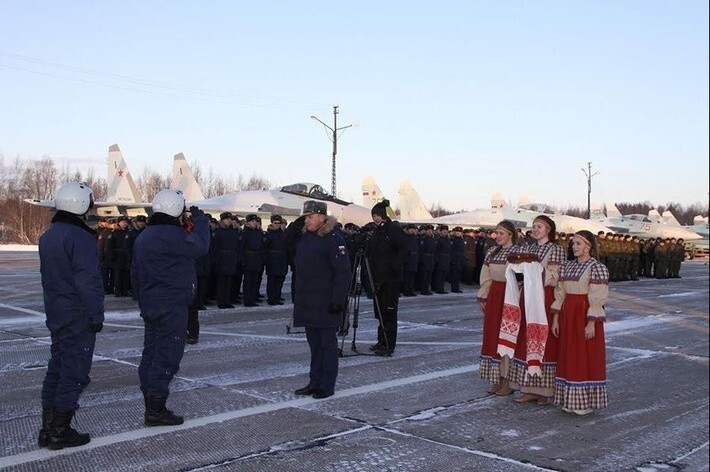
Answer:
(274, 284)
(387, 302)
(224, 289)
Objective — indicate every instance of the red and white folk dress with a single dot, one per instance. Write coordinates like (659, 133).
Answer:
(580, 296)
(551, 256)
(492, 293)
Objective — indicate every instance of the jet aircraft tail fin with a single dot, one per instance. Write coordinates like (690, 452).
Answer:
(497, 201)
(613, 212)
(411, 206)
(655, 216)
(120, 185)
(184, 179)
(371, 193)
(596, 213)
(669, 219)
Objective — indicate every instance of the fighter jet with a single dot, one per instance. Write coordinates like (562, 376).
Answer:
(122, 195)
(652, 225)
(286, 201)
(412, 209)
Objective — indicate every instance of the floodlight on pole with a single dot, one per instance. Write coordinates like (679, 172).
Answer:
(334, 139)
(589, 175)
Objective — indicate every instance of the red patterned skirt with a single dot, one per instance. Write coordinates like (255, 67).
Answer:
(490, 360)
(581, 365)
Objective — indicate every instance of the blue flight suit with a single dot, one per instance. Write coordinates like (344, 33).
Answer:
(165, 283)
(73, 301)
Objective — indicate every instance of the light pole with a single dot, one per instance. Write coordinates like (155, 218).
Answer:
(588, 173)
(334, 139)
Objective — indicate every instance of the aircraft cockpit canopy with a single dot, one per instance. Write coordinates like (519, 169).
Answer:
(306, 190)
(539, 208)
(639, 217)
(315, 191)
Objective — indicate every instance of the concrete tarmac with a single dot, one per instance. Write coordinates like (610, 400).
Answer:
(423, 409)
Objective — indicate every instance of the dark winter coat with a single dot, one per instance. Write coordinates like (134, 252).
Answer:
(442, 258)
(225, 251)
(458, 256)
(71, 278)
(386, 252)
(411, 262)
(252, 246)
(427, 250)
(275, 249)
(117, 250)
(164, 256)
(322, 278)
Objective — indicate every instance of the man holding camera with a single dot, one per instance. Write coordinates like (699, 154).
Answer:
(386, 252)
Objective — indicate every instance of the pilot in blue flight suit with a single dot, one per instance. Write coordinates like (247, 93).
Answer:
(164, 282)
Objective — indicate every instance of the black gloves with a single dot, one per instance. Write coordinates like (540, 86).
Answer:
(335, 308)
(195, 212)
(96, 327)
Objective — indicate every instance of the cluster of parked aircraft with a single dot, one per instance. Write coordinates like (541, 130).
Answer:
(123, 198)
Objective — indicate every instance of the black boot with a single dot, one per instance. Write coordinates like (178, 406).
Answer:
(43, 438)
(61, 434)
(157, 415)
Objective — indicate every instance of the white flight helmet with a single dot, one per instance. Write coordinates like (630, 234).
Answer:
(74, 197)
(169, 201)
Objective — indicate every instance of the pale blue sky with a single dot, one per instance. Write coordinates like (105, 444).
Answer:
(462, 98)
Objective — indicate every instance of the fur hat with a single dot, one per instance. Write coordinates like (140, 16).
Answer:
(311, 207)
(252, 217)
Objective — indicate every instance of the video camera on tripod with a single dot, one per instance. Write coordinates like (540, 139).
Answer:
(358, 279)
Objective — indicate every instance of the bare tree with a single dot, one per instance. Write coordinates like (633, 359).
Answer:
(150, 183)
(257, 183)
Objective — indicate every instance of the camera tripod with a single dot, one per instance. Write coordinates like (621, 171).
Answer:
(353, 305)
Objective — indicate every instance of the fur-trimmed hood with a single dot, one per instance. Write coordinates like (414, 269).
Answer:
(327, 227)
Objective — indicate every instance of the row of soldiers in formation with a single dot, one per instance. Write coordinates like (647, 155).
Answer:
(628, 258)
(241, 252)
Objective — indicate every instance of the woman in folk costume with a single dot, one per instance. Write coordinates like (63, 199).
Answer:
(491, 296)
(580, 386)
(539, 388)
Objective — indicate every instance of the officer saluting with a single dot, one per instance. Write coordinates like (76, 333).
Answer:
(74, 304)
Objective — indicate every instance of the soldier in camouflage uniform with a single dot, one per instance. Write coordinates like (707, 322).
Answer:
(648, 248)
(676, 253)
(661, 257)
